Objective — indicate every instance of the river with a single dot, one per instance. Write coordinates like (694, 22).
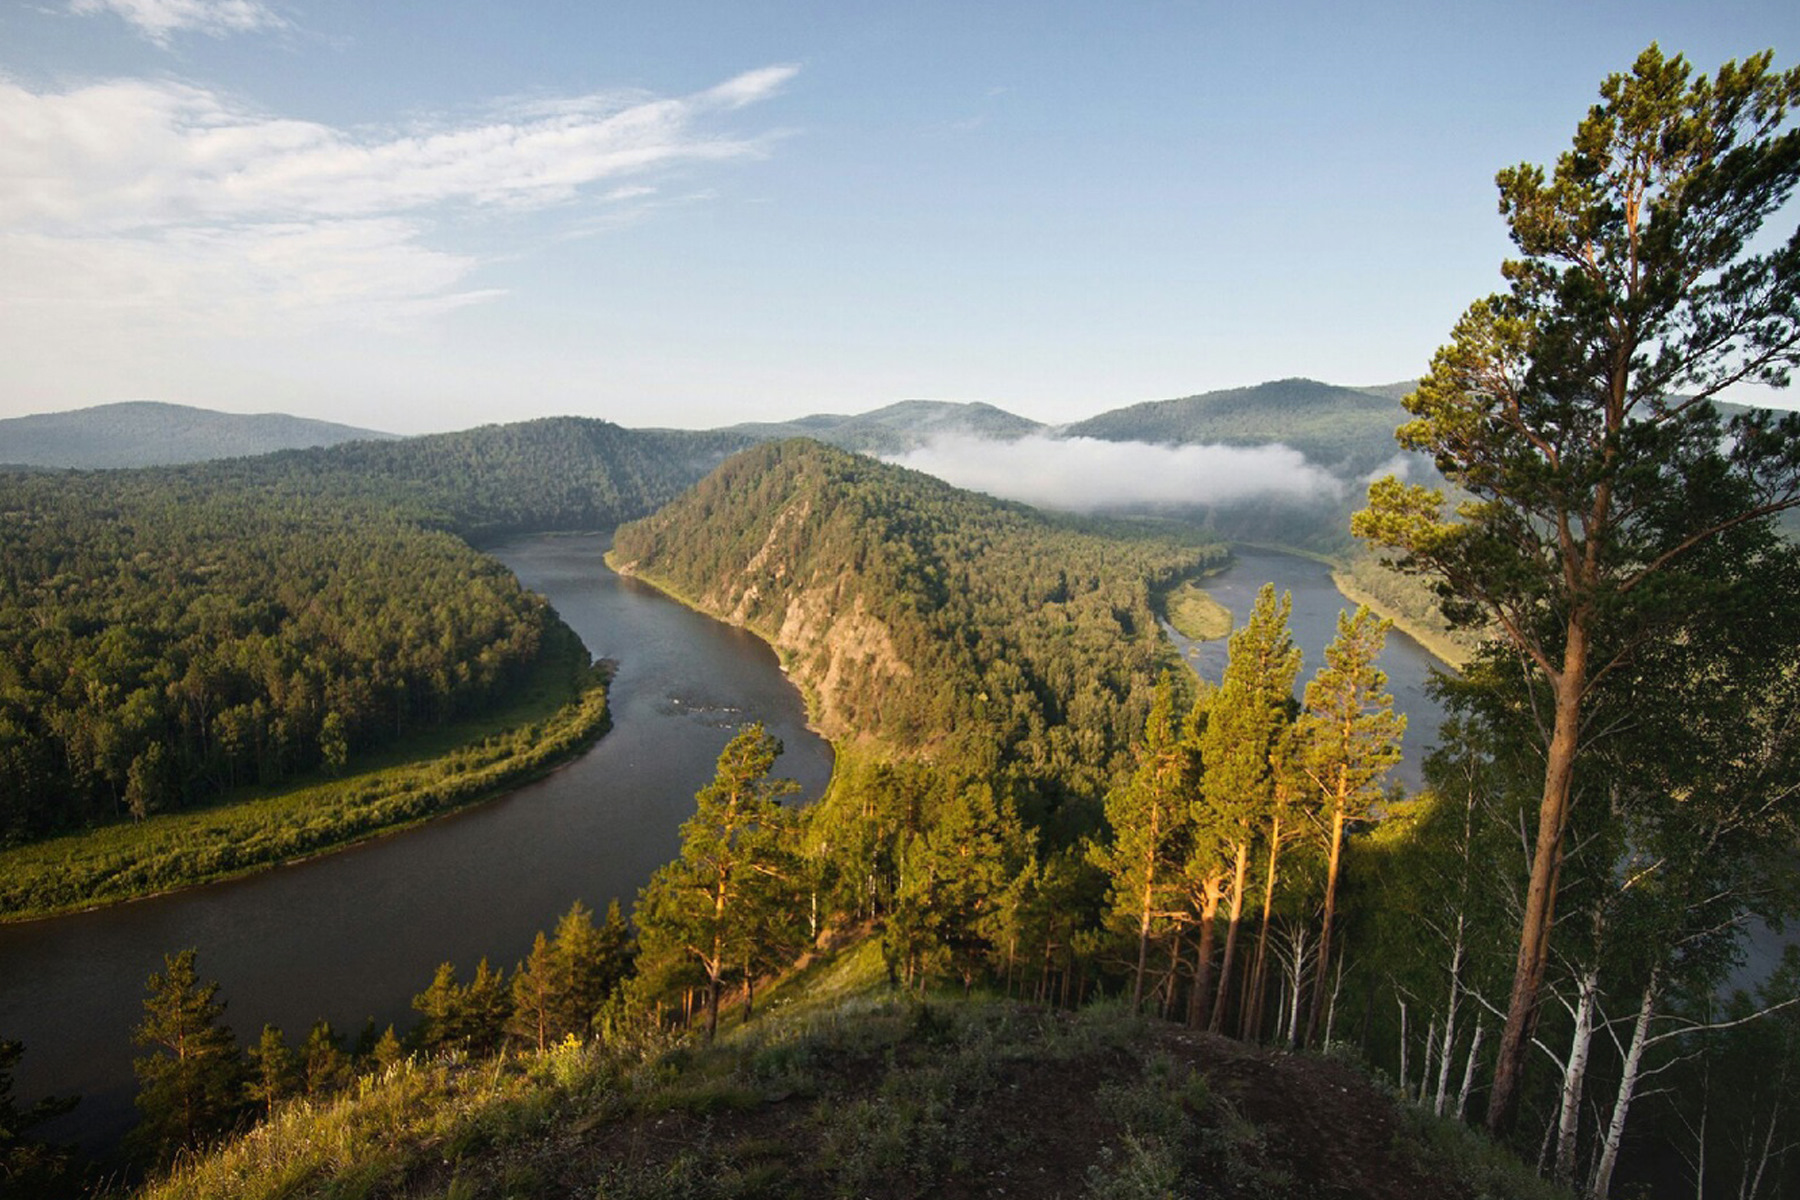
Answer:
(1313, 623)
(356, 934)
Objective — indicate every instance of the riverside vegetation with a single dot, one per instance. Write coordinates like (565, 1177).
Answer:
(1033, 813)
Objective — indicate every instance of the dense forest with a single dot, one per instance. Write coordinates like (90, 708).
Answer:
(169, 634)
(162, 641)
(937, 625)
(550, 474)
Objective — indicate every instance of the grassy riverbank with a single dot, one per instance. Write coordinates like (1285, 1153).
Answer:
(559, 712)
(1196, 615)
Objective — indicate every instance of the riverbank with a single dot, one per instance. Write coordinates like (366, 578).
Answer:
(558, 714)
(1447, 649)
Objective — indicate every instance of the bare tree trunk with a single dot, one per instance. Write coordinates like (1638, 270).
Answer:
(1403, 1037)
(1240, 874)
(1568, 1123)
(1250, 1028)
(1430, 1057)
(1443, 1081)
(1296, 967)
(1331, 880)
(1468, 1080)
(1628, 1077)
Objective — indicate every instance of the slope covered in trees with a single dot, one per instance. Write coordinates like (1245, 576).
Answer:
(932, 623)
(162, 641)
(169, 634)
(1347, 430)
(897, 428)
(497, 480)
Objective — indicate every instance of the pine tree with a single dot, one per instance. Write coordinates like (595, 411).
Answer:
(189, 1087)
(535, 995)
(1149, 820)
(274, 1071)
(1575, 410)
(325, 1065)
(694, 906)
(1241, 749)
(1350, 736)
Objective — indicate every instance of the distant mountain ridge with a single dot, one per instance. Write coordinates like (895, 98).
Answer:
(1349, 431)
(146, 433)
(897, 428)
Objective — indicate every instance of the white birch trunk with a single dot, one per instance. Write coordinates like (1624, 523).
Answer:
(1468, 1082)
(1568, 1125)
(1443, 1081)
(1628, 1077)
(1403, 1036)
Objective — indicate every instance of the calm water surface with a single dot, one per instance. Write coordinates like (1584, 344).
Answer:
(355, 935)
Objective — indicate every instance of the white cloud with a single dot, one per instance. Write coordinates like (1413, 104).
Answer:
(1088, 475)
(158, 197)
(159, 19)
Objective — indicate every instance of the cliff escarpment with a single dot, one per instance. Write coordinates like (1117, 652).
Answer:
(926, 621)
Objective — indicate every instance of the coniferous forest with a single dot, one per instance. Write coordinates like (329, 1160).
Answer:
(1068, 920)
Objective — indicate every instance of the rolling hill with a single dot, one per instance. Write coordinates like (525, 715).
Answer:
(148, 434)
(1349, 431)
(897, 428)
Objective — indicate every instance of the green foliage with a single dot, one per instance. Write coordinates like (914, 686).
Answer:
(936, 625)
(459, 765)
(1338, 427)
(190, 1087)
(162, 642)
(28, 1166)
(1575, 411)
(728, 894)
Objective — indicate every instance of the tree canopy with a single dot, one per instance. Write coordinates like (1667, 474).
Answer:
(1575, 411)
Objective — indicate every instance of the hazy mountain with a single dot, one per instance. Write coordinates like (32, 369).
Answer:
(143, 433)
(897, 428)
(1348, 430)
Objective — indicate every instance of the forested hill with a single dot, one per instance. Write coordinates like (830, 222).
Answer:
(167, 634)
(162, 641)
(898, 428)
(1347, 430)
(147, 434)
(550, 474)
(927, 621)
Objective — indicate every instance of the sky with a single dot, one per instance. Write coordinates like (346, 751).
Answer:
(415, 216)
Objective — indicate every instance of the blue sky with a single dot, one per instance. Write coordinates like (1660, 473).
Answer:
(416, 216)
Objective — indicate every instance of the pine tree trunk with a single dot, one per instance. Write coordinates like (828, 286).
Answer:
(1239, 875)
(1316, 1010)
(1250, 1029)
(1628, 1078)
(1540, 893)
(1203, 967)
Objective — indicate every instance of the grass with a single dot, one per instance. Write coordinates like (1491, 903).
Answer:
(1196, 615)
(842, 1087)
(558, 713)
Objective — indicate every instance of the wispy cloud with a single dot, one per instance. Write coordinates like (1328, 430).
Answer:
(138, 194)
(159, 20)
(1089, 475)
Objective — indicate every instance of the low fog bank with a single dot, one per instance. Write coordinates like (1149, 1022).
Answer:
(1089, 475)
